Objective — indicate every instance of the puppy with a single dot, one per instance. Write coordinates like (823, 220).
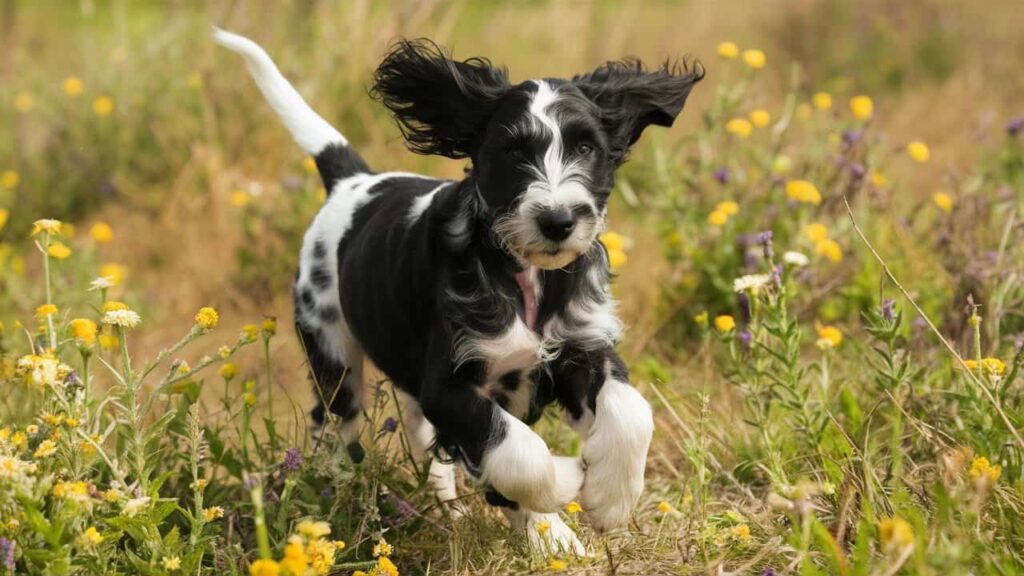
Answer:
(483, 299)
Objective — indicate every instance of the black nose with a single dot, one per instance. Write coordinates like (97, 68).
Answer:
(556, 224)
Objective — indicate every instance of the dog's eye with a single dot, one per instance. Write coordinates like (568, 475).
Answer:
(584, 150)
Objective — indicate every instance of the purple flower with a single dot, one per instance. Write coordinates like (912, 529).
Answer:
(857, 170)
(768, 572)
(745, 338)
(1013, 127)
(326, 493)
(889, 309)
(291, 182)
(765, 240)
(722, 175)
(851, 137)
(390, 425)
(7, 553)
(292, 460)
(777, 275)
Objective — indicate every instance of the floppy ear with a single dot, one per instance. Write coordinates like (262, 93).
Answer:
(631, 98)
(442, 105)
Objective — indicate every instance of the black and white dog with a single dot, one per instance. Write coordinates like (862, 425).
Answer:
(485, 299)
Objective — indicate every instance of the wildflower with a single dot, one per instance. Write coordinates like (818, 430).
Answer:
(45, 449)
(830, 249)
(862, 107)
(83, 331)
(198, 485)
(207, 318)
(760, 117)
(4, 215)
(724, 323)
(339, 545)
(895, 534)
(9, 179)
(740, 533)
(879, 179)
(822, 100)
(613, 241)
(134, 506)
(109, 341)
(295, 559)
(115, 273)
(728, 50)
(739, 127)
(795, 259)
(982, 470)
(573, 508)
(309, 164)
(754, 58)
(1013, 127)
(41, 370)
(240, 198)
(224, 352)
(382, 548)
(249, 333)
(269, 326)
(292, 460)
(124, 318)
(919, 151)
(729, 207)
(944, 201)
(385, 567)
(48, 225)
(101, 233)
(664, 507)
(228, 370)
(993, 366)
(58, 250)
(264, 568)
(23, 102)
(73, 86)
(311, 529)
(171, 563)
(100, 283)
(829, 337)
(752, 283)
(212, 513)
(816, 232)
(718, 218)
(557, 565)
(91, 538)
(102, 106)
(321, 555)
(31, 429)
(803, 191)
(701, 319)
(782, 164)
(722, 175)
(45, 311)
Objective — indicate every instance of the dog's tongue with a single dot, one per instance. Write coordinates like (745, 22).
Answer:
(529, 298)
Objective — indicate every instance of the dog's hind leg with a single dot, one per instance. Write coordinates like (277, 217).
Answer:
(421, 434)
(547, 533)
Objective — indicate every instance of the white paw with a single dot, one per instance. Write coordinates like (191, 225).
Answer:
(549, 535)
(615, 456)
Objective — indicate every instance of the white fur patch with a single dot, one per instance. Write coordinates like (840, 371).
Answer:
(522, 469)
(555, 538)
(311, 132)
(589, 324)
(421, 203)
(615, 455)
(517, 348)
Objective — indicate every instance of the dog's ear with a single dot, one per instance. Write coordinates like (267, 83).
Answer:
(442, 105)
(631, 98)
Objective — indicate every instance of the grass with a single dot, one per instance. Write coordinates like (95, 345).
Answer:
(855, 408)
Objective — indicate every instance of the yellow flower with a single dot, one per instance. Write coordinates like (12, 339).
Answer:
(312, 529)
(701, 319)
(983, 470)
(125, 318)
(829, 337)
(830, 249)
(58, 250)
(113, 272)
(269, 326)
(207, 318)
(228, 370)
(46, 448)
(862, 107)
(103, 106)
(73, 86)
(382, 548)
(83, 330)
(321, 555)
(740, 533)
(295, 559)
(249, 333)
(101, 232)
(729, 207)
(48, 225)
(309, 164)
(754, 58)
(573, 508)
(613, 241)
(10, 179)
(718, 218)
(240, 198)
(91, 538)
(109, 341)
(46, 310)
(728, 50)
(724, 323)
(23, 102)
(663, 506)
(895, 534)
(781, 164)
(993, 366)
(760, 117)
(616, 259)
(944, 201)
(816, 232)
(264, 568)
(557, 565)
(739, 126)
(385, 567)
(822, 100)
(4, 215)
(171, 563)
(339, 544)
(879, 179)
(212, 513)
(803, 191)
(919, 151)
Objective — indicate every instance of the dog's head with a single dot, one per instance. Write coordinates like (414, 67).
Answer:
(544, 152)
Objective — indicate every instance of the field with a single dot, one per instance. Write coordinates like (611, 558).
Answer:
(820, 269)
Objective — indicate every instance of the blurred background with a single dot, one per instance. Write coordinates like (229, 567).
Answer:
(126, 113)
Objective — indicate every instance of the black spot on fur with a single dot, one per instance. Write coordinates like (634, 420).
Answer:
(320, 277)
(306, 297)
(330, 314)
(319, 250)
(510, 380)
(495, 499)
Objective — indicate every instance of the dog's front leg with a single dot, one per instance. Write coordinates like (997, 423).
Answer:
(616, 424)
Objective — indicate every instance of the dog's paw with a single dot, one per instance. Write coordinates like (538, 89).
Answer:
(549, 535)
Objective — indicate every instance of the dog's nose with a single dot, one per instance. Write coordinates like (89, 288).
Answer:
(556, 224)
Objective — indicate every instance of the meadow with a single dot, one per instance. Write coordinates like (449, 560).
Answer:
(819, 268)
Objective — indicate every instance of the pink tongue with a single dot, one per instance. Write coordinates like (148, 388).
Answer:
(529, 298)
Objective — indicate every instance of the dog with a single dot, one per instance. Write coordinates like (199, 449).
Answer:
(483, 299)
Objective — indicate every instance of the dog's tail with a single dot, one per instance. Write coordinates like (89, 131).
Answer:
(335, 159)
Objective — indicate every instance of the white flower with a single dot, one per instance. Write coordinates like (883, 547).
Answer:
(101, 283)
(133, 506)
(795, 259)
(751, 282)
(122, 318)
